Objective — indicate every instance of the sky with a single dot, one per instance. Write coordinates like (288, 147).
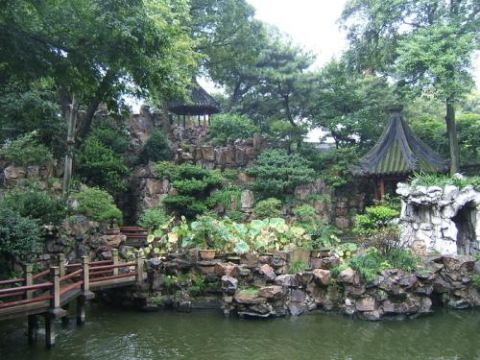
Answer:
(313, 24)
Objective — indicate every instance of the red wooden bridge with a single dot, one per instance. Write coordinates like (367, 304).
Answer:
(46, 292)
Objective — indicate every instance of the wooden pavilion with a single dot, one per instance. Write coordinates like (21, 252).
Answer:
(397, 154)
(196, 110)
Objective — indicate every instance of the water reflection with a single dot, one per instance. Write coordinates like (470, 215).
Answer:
(119, 335)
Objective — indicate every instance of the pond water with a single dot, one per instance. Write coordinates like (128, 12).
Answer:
(121, 335)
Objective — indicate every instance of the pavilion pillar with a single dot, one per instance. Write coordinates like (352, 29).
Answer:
(381, 188)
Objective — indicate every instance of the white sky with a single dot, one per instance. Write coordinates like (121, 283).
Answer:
(311, 23)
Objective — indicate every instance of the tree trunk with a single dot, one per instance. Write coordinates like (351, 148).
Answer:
(452, 137)
(98, 97)
(71, 115)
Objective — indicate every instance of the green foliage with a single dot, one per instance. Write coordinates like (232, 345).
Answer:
(297, 267)
(157, 148)
(110, 136)
(468, 128)
(226, 128)
(229, 236)
(267, 208)
(26, 108)
(228, 198)
(475, 280)
(443, 180)
(324, 236)
(36, 204)
(98, 165)
(334, 165)
(19, 236)
(97, 204)
(277, 173)
(371, 262)
(374, 220)
(26, 150)
(155, 56)
(153, 218)
(284, 132)
(193, 185)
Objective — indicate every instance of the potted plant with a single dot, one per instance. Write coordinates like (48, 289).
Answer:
(206, 237)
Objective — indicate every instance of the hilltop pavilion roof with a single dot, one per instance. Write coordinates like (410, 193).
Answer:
(200, 102)
(399, 152)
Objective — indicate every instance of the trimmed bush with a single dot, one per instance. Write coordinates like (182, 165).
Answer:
(269, 208)
(36, 204)
(226, 128)
(193, 185)
(19, 237)
(278, 173)
(153, 218)
(98, 165)
(26, 150)
(157, 148)
(97, 204)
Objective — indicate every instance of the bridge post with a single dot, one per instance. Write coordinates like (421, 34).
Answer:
(55, 293)
(115, 261)
(32, 329)
(28, 270)
(61, 264)
(140, 262)
(86, 293)
(32, 319)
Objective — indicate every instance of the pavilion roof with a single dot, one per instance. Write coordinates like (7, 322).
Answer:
(200, 102)
(399, 152)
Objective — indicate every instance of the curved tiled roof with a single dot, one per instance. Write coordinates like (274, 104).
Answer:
(399, 152)
(200, 103)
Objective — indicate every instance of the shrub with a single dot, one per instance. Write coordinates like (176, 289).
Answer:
(19, 236)
(112, 138)
(36, 204)
(226, 128)
(296, 267)
(371, 262)
(26, 150)
(153, 218)
(157, 148)
(228, 198)
(98, 165)
(270, 207)
(97, 204)
(278, 173)
(375, 219)
(193, 185)
(376, 227)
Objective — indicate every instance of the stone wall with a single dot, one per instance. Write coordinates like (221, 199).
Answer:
(442, 220)
(261, 286)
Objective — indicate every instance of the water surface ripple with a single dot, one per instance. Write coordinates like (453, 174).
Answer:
(128, 335)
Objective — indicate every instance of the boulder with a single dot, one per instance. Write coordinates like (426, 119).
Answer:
(366, 303)
(321, 277)
(229, 284)
(248, 297)
(229, 269)
(287, 280)
(247, 200)
(268, 272)
(349, 276)
(13, 174)
(271, 292)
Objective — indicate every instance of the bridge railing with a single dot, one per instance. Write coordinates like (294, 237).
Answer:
(58, 281)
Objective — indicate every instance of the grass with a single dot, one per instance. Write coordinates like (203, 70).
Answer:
(425, 179)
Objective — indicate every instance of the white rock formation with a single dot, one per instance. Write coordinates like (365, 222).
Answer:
(440, 220)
